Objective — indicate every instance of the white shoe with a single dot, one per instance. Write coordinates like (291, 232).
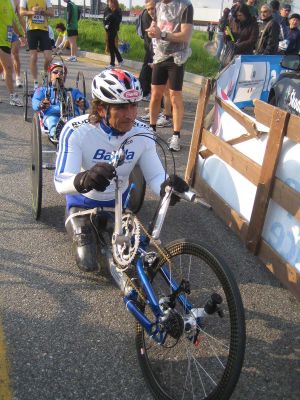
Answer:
(174, 143)
(19, 82)
(110, 66)
(163, 121)
(72, 59)
(145, 118)
(2, 77)
(15, 100)
(147, 98)
(121, 63)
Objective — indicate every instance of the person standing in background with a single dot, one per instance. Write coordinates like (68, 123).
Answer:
(72, 17)
(112, 20)
(37, 13)
(269, 31)
(294, 35)
(16, 42)
(172, 29)
(284, 13)
(146, 72)
(252, 8)
(7, 26)
(284, 30)
(211, 31)
(223, 22)
(248, 31)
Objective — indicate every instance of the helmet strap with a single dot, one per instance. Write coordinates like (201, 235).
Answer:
(107, 115)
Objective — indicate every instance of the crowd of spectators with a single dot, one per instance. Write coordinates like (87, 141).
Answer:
(246, 30)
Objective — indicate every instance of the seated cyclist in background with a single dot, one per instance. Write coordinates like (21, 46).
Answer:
(83, 170)
(45, 100)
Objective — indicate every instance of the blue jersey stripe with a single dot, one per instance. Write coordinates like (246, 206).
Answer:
(64, 154)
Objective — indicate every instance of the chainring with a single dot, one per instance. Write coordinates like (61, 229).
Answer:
(124, 253)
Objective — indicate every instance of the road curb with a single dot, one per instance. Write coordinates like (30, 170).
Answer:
(137, 65)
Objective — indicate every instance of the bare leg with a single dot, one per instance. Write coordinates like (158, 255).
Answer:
(157, 92)
(8, 70)
(33, 64)
(15, 47)
(167, 99)
(47, 59)
(178, 109)
(73, 45)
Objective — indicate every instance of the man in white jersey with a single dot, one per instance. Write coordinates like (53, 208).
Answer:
(83, 170)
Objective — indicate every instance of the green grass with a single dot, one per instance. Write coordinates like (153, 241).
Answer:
(92, 38)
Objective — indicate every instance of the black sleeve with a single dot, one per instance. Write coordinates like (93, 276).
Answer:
(188, 15)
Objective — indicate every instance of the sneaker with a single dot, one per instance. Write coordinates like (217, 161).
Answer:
(147, 98)
(121, 63)
(72, 59)
(110, 66)
(19, 83)
(53, 140)
(15, 100)
(174, 143)
(35, 85)
(145, 118)
(2, 77)
(163, 121)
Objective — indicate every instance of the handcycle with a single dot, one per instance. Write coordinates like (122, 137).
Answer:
(27, 95)
(190, 324)
(40, 150)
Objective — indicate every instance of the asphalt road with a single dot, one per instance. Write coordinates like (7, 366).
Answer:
(67, 334)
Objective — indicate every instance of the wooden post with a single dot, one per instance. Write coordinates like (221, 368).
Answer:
(266, 180)
(197, 131)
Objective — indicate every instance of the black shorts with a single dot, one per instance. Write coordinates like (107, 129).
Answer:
(6, 49)
(72, 32)
(38, 39)
(165, 70)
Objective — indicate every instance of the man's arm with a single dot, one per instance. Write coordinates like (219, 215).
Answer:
(181, 37)
(49, 12)
(186, 28)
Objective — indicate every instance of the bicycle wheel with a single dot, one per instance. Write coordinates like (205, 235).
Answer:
(204, 360)
(80, 84)
(36, 168)
(25, 96)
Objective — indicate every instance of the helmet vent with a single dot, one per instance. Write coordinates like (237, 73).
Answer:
(107, 93)
(109, 82)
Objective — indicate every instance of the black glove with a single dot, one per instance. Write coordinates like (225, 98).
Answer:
(177, 184)
(95, 178)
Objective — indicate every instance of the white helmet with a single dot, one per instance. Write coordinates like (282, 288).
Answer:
(116, 86)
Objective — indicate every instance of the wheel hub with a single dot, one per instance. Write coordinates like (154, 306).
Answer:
(174, 325)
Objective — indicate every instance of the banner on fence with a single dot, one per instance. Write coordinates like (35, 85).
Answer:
(248, 78)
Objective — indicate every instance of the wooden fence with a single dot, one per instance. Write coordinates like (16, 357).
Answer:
(268, 185)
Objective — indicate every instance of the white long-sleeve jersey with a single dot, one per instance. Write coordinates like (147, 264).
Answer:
(82, 145)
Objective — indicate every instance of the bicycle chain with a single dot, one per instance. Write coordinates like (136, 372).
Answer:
(160, 251)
